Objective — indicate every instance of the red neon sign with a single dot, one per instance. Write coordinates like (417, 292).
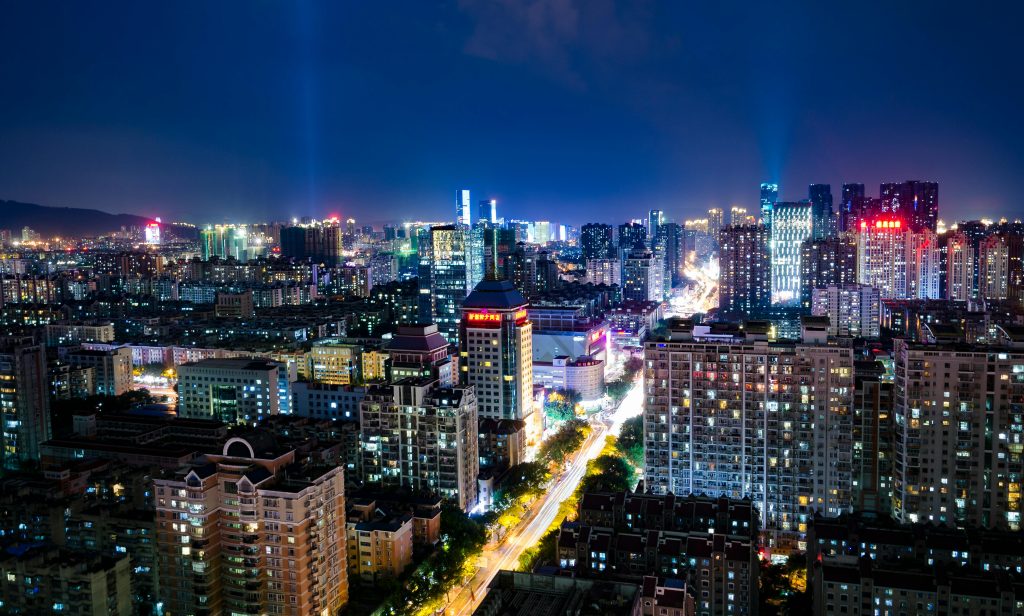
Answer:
(483, 317)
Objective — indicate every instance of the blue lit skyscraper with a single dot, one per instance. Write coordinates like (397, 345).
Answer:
(820, 196)
(462, 207)
(792, 224)
(769, 196)
(487, 212)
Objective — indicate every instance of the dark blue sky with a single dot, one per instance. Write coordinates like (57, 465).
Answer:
(570, 110)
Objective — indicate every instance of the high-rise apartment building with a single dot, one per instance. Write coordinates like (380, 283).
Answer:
(318, 241)
(994, 267)
(604, 271)
(716, 220)
(792, 225)
(820, 196)
(959, 267)
(596, 241)
(224, 241)
(852, 310)
(113, 368)
(253, 530)
(655, 218)
(900, 263)
(826, 262)
(769, 197)
(916, 203)
(672, 234)
(850, 204)
(487, 212)
(631, 235)
(418, 435)
(744, 281)
(24, 401)
(872, 437)
(234, 391)
(958, 444)
(641, 278)
(727, 413)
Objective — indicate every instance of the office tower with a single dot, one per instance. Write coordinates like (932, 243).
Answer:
(826, 262)
(852, 310)
(24, 401)
(631, 235)
(899, 263)
(957, 417)
(640, 277)
(421, 351)
(416, 434)
(335, 363)
(850, 204)
(744, 281)
(496, 350)
(449, 277)
(317, 241)
(792, 225)
(487, 212)
(113, 368)
(675, 254)
(959, 267)
(715, 222)
(498, 245)
(253, 530)
(820, 196)
(234, 391)
(596, 241)
(655, 218)
(604, 271)
(914, 202)
(769, 197)
(462, 206)
(727, 413)
(994, 267)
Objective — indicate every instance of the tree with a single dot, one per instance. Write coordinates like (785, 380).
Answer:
(631, 440)
(633, 366)
(619, 388)
(521, 480)
(566, 440)
(608, 473)
(560, 404)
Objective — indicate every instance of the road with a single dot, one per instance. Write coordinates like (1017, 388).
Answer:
(506, 554)
(700, 295)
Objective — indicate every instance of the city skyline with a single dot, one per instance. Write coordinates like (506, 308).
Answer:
(306, 111)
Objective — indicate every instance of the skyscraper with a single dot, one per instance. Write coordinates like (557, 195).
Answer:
(487, 212)
(849, 207)
(792, 224)
(640, 277)
(820, 196)
(914, 202)
(826, 262)
(994, 267)
(449, 277)
(24, 401)
(716, 220)
(729, 414)
(462, 207)
(959, 267)
(596, 241)
(737, 215)
(769, 197)
(744, 282)
(655, 218)
(318, 241)
(675, 253)
(632, 235)
(901, 264)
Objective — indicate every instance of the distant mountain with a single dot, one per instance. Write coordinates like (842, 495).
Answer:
(55, 221)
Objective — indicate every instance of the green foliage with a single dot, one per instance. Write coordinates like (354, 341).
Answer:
(524, 480)
(566, 440)
(535, 555)
(631, 440)
(608, 473)
(633, 366)
(560, 404)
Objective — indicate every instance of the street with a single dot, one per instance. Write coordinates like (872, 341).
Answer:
(699, 296)
(506, 555)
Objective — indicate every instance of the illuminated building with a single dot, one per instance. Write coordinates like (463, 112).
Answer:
(820, 196)
(583, 375)
(655, 218)
(62, 581)
(769, 197)
(24, 401)
(316, 241)
(596, 241)
(727, 413)
(958, 444)
(994, 267)
(852, 310)
(673, 236)
(715, 221)
(872, 437)
(256, 529)
(917, 203)
(335, 363)
(744, 282)
(417, 435)
(826, 262)
(631, 235)
(379, 546)
(234, 391)
(737, 215)
(421, 351)
(225, 241)
(959, 268)
(462, 207)
(113, 368)
(487, 212)
(604, 271)
(152, 233)
(642, 276)
(792, 225)
(450, 276)
(850, 205)
(496, 355)
(901, 264)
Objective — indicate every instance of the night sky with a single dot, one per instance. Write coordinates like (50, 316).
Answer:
(569, 110)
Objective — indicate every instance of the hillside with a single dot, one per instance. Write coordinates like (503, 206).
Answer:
(55, 221)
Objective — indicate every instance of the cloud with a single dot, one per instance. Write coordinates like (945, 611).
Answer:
(570, 41)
